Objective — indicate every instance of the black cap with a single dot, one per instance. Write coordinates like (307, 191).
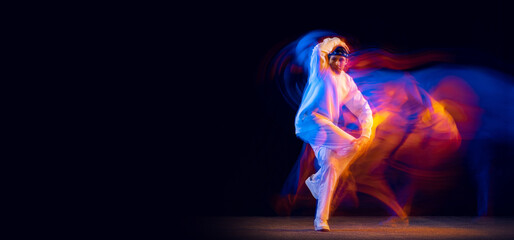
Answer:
(341, 51)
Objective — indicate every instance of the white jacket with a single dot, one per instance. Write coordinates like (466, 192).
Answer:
(324, 96)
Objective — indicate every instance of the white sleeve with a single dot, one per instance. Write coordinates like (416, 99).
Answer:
(314, 111)
(359, 106)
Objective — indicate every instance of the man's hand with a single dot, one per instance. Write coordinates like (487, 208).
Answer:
(361, 143)
(329, 44)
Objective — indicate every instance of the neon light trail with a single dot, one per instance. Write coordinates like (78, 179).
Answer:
(428, 117)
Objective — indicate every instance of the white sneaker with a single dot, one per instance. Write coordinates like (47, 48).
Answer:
(312, 187)
(321, 225)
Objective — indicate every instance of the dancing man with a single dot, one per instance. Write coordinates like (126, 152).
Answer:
(329, 88)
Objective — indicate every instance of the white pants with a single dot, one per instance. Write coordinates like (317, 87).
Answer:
(332, 163)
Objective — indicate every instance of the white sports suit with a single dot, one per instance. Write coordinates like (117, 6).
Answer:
(317, 122)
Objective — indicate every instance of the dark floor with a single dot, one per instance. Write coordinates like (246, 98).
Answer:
(429, 227)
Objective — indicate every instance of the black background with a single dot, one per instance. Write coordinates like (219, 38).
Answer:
(239, 143)
(171, 119)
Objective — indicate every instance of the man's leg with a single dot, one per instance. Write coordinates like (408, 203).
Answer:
(332, 164)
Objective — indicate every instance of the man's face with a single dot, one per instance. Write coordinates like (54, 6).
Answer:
(337, 63)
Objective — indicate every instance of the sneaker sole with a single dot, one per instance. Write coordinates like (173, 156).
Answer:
(308, 183)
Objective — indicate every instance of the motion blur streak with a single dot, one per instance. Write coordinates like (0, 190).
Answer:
(428, 113)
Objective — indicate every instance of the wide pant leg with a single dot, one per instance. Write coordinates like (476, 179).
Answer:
(332, 163)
